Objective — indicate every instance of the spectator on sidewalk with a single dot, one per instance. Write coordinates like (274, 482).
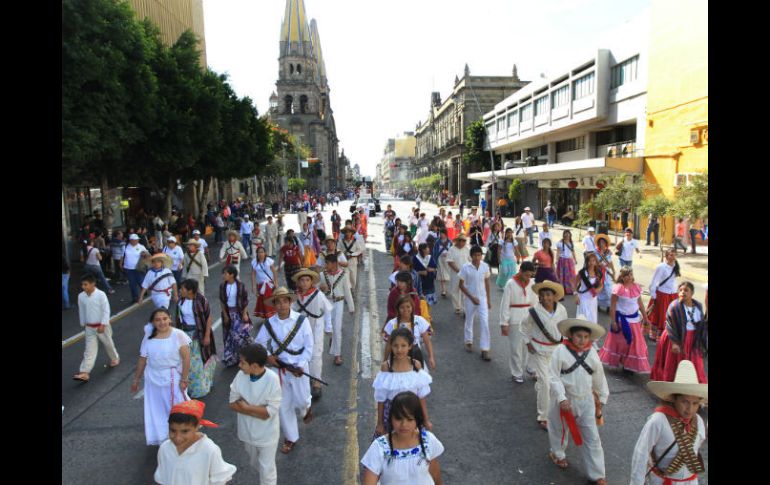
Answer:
(528, 220)
(65, 284)
(652, 228)
(694, 233)
(117, 248)
(131, 256)
(679, 236)
(92, 264)
(627, 247)
(94, 311)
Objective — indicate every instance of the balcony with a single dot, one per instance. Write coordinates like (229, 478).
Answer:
(623, 149)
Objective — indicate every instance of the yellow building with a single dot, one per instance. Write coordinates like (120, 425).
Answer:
(174, 17)
(676, 136)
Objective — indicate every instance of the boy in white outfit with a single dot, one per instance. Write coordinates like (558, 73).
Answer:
(577, 383)
(541, 336)
(474, 283)
(459, 254)
(159, 282)
(336, 287)
(94, 308)
(312, 303)
(255, 394)
(518, 298)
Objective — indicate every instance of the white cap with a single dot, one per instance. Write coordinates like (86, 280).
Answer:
(196, 232)
(527, 209)
(171, 239)
(133, 237)
(591, 229)
(246, 216)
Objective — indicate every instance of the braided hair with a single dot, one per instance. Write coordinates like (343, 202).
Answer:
(407, 335)
(406, 405)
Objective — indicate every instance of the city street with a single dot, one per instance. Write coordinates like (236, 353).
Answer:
(486, 422)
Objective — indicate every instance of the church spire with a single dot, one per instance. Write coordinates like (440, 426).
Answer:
(295, 34)
(316, 40)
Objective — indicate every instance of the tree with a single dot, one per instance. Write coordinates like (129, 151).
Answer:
(619, 195)
(296, 185)
(691, 200)
(658, 206)
(514, 190)
(474, 144)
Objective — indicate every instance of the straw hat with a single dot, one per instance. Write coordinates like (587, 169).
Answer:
(597, 331)
(685, 382)
(550, 285)
(348, 229)
(193, 242)
(280, 292)
(167, 261)
(460, 237)
(306, 272)
(329, 238)
(602, 236)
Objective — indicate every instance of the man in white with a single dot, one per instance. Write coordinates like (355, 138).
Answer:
(270, 231)
(352, 247)
(204, 245)
(588, 242)
(676, 423)
(94, 311)
(528, 221)
(627, 246)
(159, 282)
(542, 338)
(295, 386)
(474, 216)
(177, 258)
(131, 256)
(247, 227)
(518, 298)
(336, 287)
(474, 283)
(232, 251)
(459, 254)
(312, 303)
(543, 235)
(422, 230)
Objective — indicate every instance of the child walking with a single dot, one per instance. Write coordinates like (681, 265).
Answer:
(234, 300)
(255, 394)
(474, 283)
(507, 259)
(419, 326)
(94, 308)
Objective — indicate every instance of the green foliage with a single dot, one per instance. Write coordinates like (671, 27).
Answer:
(514, 190)
(584, 214)
(429, 182)
(296, 185)
(692, 200)
(618, 195)
(474, 143)
(657, 205)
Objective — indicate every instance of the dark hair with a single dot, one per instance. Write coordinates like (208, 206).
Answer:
(687, 284)
(89, 277)
(422, 247)
(254, 354)
(330, 258)
(190, 285)
(404, 277)
(578, 328)
(476, 250)
(403, 406)
(404, 333)
(527, 266)
(230, 269)
(152, 318)
(182, 418)
(550, 250)
(405, 259)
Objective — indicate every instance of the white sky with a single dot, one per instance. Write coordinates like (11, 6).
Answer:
(384, 58)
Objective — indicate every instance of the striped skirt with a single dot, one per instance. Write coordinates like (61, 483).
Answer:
(565, 268)
(236, 338)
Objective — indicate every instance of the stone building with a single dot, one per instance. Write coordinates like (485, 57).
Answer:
(440, 140)
(302, 103)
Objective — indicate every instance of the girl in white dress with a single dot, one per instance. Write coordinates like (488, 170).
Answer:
(408, 455)
(418, 325)
(589, 285)
(165, 362)
(399, 373)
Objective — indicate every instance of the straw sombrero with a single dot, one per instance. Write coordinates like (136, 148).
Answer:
(602, 236)
(460, 237)
(306, 272)
(685, 382)
(548, 284)
(194, 242)
(281, 292)
(167, 261)
(348, 229)
(329, 238)
(597, 331)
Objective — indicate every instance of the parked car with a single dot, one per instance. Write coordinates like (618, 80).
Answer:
(372, 203)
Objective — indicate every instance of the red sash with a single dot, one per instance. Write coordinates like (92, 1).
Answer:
(569, 418)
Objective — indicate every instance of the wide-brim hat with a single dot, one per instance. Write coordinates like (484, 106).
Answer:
(234, 233)
(598, 237)
(685, 382)
(348, 229)
(167, 261)
(193, 242)
(329, 238)
(597, 331)
(306, 272)
(550, 285)
(460, 237)
(280, 292)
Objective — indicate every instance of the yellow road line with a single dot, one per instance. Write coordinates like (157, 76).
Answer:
(350, 468)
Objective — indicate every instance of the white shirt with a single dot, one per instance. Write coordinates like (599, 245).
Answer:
(693, 317)
(662, 271)
(409, 467)
(628, 249)
(473, 279)
(200, 464)
(247, 227)
(263, 272)
(566, 252)
(93, 256)
(543, 235)
(231, 290)
(94, 308)
(132, 255)
(459, 256)
(177, 256)
(531, 331)
(421, 326)
(151, 276)
(514, 294)
(282, 328)
(589, 244)
(578, 383)
(186, 308)
(203, 242)
(266, 391)
(527, 220)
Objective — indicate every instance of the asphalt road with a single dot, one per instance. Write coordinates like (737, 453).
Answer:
(486, 422)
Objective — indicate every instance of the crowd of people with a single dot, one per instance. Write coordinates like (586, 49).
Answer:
(275, 333)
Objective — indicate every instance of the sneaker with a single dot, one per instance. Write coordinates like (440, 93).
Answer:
(517, 380)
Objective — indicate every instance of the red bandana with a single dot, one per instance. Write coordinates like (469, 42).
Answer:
(670, 411)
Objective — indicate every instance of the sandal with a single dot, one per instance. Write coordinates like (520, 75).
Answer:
(82, 377)
(114, 363)
(287, 447)
(338, 360)
(543, 424)
(560, 463)
(308, 416)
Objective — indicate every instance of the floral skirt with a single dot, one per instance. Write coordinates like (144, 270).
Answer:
(262, 310)
(506, 271)
(666, 362)
(236, 338)
(201, 374)
(566, 270)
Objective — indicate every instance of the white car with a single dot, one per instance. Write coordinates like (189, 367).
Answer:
(364, 202)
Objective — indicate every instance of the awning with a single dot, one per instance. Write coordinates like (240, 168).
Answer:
(567, 170)
(488, 185)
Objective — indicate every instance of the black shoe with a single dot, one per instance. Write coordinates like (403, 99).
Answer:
(315, 393)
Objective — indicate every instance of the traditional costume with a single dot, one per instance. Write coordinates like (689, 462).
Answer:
(341, 259)
(605, 260)
(507, 264)
(459, 257)
(686, 327)
(474, 279)
(314, 306)
(663, 292)
(266, 283)
(338, 294)
(195, 265)
(232, 252)
(395, 295)
(403, 466)
(353, 248)
(159, 283)
(419, 327)
(234, 299)
(292, 262)
(427, 287)
(291, 341)
(667, 449)
(388, 384)
(577, 375)
(539, 329)
(517, 299)
(588, 292)
(627, 345)
(440, 254)
(192, 316)
(271, 238)
(565, 268)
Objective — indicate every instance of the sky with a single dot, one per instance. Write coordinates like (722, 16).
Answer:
(384, 58)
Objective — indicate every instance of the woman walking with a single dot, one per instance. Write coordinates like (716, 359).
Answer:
(565, 267)
(544, 261)
(604, 255)
(234, 299)
(263, 282)
(663, 291)
(589, 284)
(507, 251)
(193, 317)
(520, 234)
(440, 254)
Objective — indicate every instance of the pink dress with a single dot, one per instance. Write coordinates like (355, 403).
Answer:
(626, 347)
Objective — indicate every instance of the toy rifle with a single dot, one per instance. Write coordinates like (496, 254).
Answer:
(293, 368)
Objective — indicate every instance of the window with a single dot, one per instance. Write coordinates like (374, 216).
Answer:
(583, 87)
(501, 124)
(491, 127)
(560, 97)
(291, 68)
(570, 145)
(625, 72)
(526, 112)
(541, 106)
(512, 118)
(302, 103)
(299, 69)
(289, 104)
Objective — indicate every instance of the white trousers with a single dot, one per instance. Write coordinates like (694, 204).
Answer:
(352, 272)
(295, 397)
(542, 363)
(160, 300)
(519, 355)
(584, 410)
(458, 297)
(316, 362)
(262, 458)
(93, 337)
(338, 309)
(470, 312)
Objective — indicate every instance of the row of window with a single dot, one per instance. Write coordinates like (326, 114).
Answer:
(625, 72)
(570, 145)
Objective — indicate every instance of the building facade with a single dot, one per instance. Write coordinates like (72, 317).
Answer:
(564, 134)
(397, 165)
(301, 103)
(440, 140)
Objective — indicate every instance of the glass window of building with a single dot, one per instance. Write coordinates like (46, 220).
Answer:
(583, 86)
(560, 97)
(501, 124)
(625, 72)
(512, 118)
(541, 106)
(526, 112)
